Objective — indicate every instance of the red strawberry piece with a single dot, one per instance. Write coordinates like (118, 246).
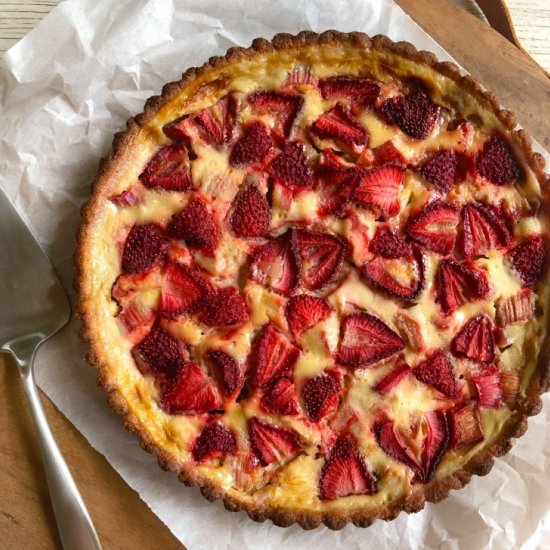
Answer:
(274, 265)
(496, 162)
(283, 106)
(411, 331)
(475, 340)
(366, 339)
(271, 443)
(364, 90)
(190, 390)
(434, 227)
(509, 385)
(336, 189)
(345, 472)
(183, 288)
(130, 197)
(387, 153)
(482, 230)
(414, 113)
(303, 311)
(440, 170)
(300, 75)
(488, 388)
(320, 257)
(387, 244)
(159, 352)
(399, 372)
(252, 214)
(215, 440)
(339, 125)
(437, 371)
(227, 371)
(379, 189)
(196, 226)
(144, 248)
(291, 167)
(528, 259)
(135, 320)
(321, 395)
(273, 355)
(459, 283)
(465, 426)
(224, 307)
(435, 443)
(169, 168)
(279, 397)
(252, 147)
(515, 309)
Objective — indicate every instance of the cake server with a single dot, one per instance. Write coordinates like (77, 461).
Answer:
(35, 306)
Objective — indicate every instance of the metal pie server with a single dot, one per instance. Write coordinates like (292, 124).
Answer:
(33, 306)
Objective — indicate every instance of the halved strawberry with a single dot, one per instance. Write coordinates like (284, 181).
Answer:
(361, 90)
(279, 397)
(336, 189)
(414, 113)
(387, 244)
(515, 309)
(488, 388)
(482, 230)
(224, 307)
(475, 340)
(159, 352)
(274, 265)
(339, 125)
(465, 426)
(321, 394)
(144, 248)
(379, 188)
(399, 372)
(496, 162)
(292, 167)
(229, 374)
(183, 287)
(437, 371)
(283, 106)
(135, 320)
(387, 153)
(319, 256)
(252, 147)
(273, 355)
(344, 472)
(169, 168)
(196, 226)
(434, 227)
(303, 311)
(528, 259)
(215, 441)
(252, 213)
(459, 283)
(436, 442)
(190, 390)
(440, 169)
(411, 331)
(271, 443)
(366, 339)
(509, 385)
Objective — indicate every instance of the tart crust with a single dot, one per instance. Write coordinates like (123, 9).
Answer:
(435, 490)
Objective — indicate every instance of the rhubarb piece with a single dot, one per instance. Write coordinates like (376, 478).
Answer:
(130, 197)
(509, 385)
(527, 260)
(379, 189)
(515, 309)
(340, 126)
(135, 320)
(303, 311)
(437, 371)
(475, 340)
(321, 394)
(411, 331)
(496, 162)
(387, 244)
(271, 443)
(440, 170)
(169, 168)
(215, 441)
(284, 107)
(227, 371)
(252, 147)
(487, 385)
(300, 75)
(279, 397)
(362, 90)
(336, 190)
(143, 249)
(465, 426)
(224, 307)
(252, 213)
(183, 288)
(291, 167)
(387, 153)
(399, 372)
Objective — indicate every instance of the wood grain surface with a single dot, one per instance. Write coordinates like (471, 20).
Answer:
(123, 521)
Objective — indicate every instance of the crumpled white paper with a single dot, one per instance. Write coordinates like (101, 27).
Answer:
(65, 89)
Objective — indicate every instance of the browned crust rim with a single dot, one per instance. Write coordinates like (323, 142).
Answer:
(437, 489)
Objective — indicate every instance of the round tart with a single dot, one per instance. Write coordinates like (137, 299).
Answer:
(310, 277)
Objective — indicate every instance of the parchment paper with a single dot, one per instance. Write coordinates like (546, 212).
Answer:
(65, 89)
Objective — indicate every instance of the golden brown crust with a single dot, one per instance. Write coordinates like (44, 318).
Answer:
(436, 490)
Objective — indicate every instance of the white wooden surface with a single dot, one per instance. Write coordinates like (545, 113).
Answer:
(531, 20)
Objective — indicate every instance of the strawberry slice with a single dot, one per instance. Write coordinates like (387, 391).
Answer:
(303, 311)
(509, 385)
(528, 259)
(135, 320)
(437, 371)
(465, 426)
(411, 331)
(190, 390)
(362, 90)
(489, 392)
(273, 355)
(344, 472)
(321, 394)
(229, 374)
(224, 307)
(196, 226)
(435, 443)
(482, 230)
(414, 113)
(319, 256)
(279, 397)
(388, 153)
(399, 372)
(252, 213)
(515, 309)
(252, 147)
(274, 265)
(434, 227)
(271, 443)
(339, 125)
(144, 248)
(283, 106)
(169, 168)
(336, 190)
(475, 340)
(440, 169)
(159, 353)
(291, 167)
(496, 162)
(215, 441)
(379, 189)
(459, 283)
(387, 244)
(366, 339)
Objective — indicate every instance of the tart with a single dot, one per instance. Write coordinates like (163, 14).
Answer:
(311, 279)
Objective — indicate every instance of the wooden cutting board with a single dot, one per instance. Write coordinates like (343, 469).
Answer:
(122, 520)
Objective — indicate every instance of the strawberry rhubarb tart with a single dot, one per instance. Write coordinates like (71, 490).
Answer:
(311, 278)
